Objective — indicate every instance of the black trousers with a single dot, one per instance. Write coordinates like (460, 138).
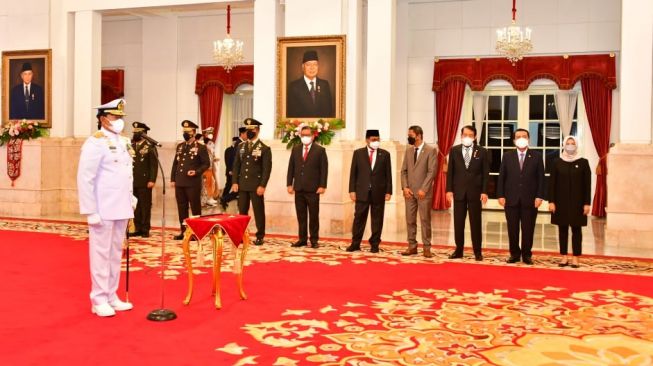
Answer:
(576, 239)
(226, 195)
(258, 206)
(188, 196)
(360, 220)
(460, 209)
(521, 217)
(307, 206)
(143, 211)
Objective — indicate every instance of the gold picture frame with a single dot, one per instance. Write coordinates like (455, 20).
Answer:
(33, 101)
(293, 95)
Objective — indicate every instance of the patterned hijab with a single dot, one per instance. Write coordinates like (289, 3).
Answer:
(570, 157)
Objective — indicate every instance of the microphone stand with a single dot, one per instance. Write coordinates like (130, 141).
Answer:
(162, 314)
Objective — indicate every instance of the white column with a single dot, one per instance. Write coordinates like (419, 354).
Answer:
(88, 63)
(354, 96)
(380, 64)
(62, 32)
(636, 68)
(267, 25)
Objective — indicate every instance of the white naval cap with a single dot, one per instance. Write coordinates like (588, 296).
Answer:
(115, 107)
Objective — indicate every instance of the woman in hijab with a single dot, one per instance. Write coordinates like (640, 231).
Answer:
(569, 199)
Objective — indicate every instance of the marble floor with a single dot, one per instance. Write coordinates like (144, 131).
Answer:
(597, 239)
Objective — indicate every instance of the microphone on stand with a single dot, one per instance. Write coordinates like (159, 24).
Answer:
(151, 140)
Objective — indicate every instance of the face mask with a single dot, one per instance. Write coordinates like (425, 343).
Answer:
(210, 136)
(117, 126)
(306, 140)
(186, 136)
(521, 143)
(468, 141)
(570, 148)
(411, 140)
(137, 136)
(251, 135)
(374, 145)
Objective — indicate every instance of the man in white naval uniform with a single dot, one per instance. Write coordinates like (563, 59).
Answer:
(104, 184)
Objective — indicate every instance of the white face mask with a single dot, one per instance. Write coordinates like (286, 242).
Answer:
(467, 141)
(306, 140)
(118, 125)
(570, 148)
(375, 144)
(210, 136)
(521, 143)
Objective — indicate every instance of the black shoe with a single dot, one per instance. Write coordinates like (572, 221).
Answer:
(145, 235)
(353, 248)
(575, 266)
(565, 264)
(512, 260)
(299, 244)
(178, 237)
(528, 261)
(374, 249)
(135, 233)
(258, 241)
(478, 257)
(455, 255)
(314, 245)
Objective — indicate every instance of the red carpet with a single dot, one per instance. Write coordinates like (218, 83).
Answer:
(345, 314)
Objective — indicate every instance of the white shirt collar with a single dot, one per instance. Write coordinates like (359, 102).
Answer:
(308, 82)
(254, 141)
(419, 148)
(110, 134)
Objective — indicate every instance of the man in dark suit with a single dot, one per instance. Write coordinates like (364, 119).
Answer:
(309, 96)
(467, 176)
(145, 172)
(191, 161)
(251, 173)
(370, 185)
(307, 179)
(229, 157)
(27, 99)
(520, 191)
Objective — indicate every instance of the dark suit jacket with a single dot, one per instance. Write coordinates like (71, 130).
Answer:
(229, 157)
(570, 188)
(145, 164)
(33, 109)
(521, 187)
(252, 167)
(309, 175)
(468, 183)
(300, 103)
(189, 157)
(363, 179)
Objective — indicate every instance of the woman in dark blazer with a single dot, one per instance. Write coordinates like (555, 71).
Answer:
(569, 199)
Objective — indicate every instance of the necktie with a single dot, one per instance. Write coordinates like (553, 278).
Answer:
(521, 161)
(467, 157)
(371, 157)
(312, 91)
(305, 152)
(26, 97)
(415, 158)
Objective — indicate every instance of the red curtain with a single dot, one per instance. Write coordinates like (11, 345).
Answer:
(448, 106)
(211, 108)
(598, 105)
(113, 85)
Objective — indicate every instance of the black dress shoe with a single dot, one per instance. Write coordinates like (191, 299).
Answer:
(528, 261)
(478, 257)
(374, 249)
(314, 245)
(299, 244)
(512, 260)
(563, 264)
(575, 266)
(353, 248)
(178, 237)
(135, 233)
(145, 235)
(258, 241)
(455, 255)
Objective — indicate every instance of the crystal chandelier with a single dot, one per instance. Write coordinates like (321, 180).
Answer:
(513, 42)
(228, 52)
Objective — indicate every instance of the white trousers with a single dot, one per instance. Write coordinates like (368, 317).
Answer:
(105, 254)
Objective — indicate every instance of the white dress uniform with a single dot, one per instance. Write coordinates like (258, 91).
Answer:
(104, 183)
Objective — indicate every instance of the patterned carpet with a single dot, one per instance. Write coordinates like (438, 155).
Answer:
(330, 307)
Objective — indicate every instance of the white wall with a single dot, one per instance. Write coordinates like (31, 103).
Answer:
(449, 29)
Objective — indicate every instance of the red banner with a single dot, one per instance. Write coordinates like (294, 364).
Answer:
(14, 157)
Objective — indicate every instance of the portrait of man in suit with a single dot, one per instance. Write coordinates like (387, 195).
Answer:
(309, 95)
(26, 100)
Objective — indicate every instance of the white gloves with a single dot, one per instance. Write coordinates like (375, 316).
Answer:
(134, 202)
(93, 219)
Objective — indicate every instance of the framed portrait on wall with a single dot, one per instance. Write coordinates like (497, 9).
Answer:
(26, 86)
(311, 78)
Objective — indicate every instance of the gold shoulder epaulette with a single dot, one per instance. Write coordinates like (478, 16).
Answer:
(98, 134)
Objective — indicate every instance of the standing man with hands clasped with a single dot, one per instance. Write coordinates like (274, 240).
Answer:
(308, 169)
(417, 173)
(370, 185)
(467, 176)
(521, 191)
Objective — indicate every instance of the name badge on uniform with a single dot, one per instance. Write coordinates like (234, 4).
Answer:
(257, 152)
(113, 149)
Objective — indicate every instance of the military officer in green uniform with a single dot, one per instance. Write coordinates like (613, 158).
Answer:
(191, 161)
(145, 172)
(251, 172)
